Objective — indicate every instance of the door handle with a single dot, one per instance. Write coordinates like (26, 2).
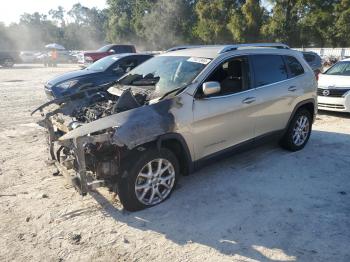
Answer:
(292, 88)
(249, 100)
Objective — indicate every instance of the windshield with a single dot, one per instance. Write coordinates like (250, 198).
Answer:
(102, 64)
(340, 68)
(165, 73)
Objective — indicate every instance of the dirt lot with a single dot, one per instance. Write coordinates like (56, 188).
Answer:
(263, 205)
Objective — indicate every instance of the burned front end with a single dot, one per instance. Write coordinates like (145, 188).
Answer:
(91, 138)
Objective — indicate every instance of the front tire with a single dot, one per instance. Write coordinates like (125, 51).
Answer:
(298, 132)
(149, 181)
(8, 63)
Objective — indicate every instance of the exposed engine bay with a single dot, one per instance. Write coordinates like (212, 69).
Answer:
(92, 134)
(104, 104)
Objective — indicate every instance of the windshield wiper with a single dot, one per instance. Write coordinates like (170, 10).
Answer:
(176, 91)
(145, 82)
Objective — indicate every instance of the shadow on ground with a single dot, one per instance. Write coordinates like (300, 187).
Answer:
(335, 114)
(265, 204)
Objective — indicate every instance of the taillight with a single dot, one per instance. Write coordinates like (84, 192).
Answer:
(317, 74)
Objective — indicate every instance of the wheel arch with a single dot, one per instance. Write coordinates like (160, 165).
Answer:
(309, 104)
(177, 144)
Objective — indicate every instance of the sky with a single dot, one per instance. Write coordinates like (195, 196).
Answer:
(11, 10)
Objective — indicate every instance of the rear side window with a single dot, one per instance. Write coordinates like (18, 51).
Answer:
(295, 67)
(128, 63)
(123, 49)
(269, 69)
(143, 58)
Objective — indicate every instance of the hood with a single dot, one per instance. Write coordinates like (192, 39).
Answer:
(72, 75)
(83, 94)
(333, 81)
(133, 127)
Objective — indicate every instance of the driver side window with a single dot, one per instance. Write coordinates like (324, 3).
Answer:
(127, 64)
(233, 76)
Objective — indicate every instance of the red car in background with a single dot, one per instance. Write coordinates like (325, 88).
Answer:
(88, 58)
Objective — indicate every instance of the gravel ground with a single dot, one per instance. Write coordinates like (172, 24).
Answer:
(266, 204)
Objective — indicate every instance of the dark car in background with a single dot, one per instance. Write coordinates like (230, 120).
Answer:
(105, 70)
(88, 58)
(314, 61)
(8, 58)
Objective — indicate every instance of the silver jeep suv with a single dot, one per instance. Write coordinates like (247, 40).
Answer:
(175, 112)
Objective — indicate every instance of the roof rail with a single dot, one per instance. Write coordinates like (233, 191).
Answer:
(228, 48)
(181, 47)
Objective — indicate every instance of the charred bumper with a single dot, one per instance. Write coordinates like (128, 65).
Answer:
(87, 162)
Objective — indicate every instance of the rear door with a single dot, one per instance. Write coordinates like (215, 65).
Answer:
(276, 91)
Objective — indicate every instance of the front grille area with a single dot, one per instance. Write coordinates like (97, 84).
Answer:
(335, 106)
(333, 92)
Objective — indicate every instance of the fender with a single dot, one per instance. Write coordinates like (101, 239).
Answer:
(297, 107)
(179, 138)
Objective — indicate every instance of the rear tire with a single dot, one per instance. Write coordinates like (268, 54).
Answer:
(298, 132)
(149, 180)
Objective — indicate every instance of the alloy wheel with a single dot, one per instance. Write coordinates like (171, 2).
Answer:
(155, 181)
(301, 130)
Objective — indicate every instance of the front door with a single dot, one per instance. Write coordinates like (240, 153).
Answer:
(226, 118)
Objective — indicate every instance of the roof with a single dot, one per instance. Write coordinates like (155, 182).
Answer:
(309, 52)
(181, 47)
(128, 54)
(213, 51)
(207, 52)
(117, 45)
(345, 60)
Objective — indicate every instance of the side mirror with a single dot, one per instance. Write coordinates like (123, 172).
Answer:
(111, 51)
(211, 88)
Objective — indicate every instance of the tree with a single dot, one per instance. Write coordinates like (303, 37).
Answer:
(34, 31)
(212, 18)
(88, 29)
(246, 22)
(283, 25)
(58, 15)
(159, 24)
(79, 13)
(167, 24)
(120, 27)
(342, 25)
(317, 23)
(141, 9)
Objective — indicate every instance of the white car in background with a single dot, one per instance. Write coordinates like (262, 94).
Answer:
(334, 88)
(28, 56)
